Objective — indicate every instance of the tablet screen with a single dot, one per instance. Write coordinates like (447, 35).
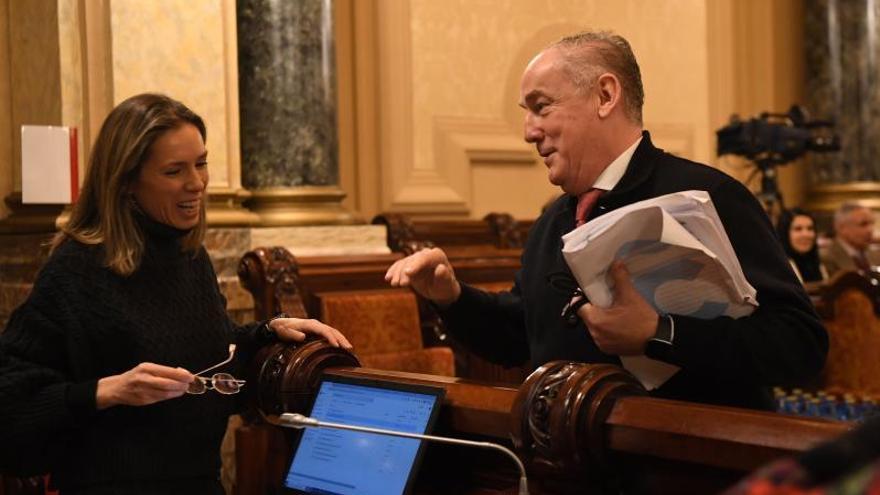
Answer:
(332, 461)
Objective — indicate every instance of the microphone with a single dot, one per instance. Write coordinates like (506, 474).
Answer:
(293, 420)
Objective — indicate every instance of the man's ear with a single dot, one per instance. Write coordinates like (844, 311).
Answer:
(609, 92)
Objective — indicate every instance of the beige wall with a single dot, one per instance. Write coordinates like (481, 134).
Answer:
(71, 66)
(428, 90)
(183, 48)
(469, 56)
(69, 61)
(756, 65)
(448, 73)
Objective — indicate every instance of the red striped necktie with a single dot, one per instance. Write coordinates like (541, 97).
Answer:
(586, 201)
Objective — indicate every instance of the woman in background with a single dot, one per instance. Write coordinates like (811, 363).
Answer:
(797, 231)
(117, 373)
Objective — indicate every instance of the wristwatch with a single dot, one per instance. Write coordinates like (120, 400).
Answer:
(660, 345)
(267, 333)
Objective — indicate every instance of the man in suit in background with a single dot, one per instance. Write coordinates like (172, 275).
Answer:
(853, 232)
(583, 102)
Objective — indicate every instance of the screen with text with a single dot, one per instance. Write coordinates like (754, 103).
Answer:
(332, 461)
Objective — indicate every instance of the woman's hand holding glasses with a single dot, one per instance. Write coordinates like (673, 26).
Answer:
(222, 383)
(146, 383)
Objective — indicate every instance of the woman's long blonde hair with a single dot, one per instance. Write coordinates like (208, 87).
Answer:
(104, 212)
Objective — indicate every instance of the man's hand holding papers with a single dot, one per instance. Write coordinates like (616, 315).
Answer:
(627, 310)
(679, 261)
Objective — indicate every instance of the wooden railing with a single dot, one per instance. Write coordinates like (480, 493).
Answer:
(465, 237)
(579, 428)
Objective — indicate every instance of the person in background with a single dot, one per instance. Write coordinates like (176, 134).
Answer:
(118, 373)
(854, 230)
(797, 232)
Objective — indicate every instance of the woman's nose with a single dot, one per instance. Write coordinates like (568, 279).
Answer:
(197, 180)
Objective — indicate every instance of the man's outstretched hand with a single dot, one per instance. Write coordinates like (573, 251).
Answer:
(429, 273)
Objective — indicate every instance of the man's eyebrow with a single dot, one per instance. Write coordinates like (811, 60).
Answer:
(530, 97)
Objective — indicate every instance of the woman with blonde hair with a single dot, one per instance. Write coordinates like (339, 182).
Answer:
(100, 381)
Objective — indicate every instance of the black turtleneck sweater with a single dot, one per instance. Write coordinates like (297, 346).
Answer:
(83, 322)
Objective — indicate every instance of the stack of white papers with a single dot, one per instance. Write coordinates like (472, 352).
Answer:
(679, 257)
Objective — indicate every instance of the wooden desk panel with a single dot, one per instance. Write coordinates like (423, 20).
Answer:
(579, 429)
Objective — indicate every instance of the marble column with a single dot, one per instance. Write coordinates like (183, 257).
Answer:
(287, 98)
(842, 40)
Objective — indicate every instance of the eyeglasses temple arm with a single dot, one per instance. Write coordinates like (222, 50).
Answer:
(231, 354)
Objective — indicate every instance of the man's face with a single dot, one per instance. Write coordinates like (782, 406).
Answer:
(562, 123)
(858, 228)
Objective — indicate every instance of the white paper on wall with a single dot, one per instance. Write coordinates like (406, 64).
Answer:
(49, 168)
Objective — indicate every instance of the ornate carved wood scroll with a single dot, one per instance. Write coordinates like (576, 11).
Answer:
(505, 229)
(401, 233)
(558, 418)
(272, 277)
(286, 375)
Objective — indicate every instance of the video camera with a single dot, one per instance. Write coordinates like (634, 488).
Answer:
(776, 139)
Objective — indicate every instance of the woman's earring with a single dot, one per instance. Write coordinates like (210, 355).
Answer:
(133, 204)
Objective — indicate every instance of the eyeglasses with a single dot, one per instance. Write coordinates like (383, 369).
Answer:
(223, 383)
(563, 282)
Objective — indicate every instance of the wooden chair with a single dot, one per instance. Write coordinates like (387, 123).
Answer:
(850, 308)
(382, 323)
(384, 327)
(485, 254)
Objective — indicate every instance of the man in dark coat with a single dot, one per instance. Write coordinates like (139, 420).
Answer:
(583, 99)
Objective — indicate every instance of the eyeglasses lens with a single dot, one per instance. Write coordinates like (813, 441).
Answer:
(197, 386)
(226, 383)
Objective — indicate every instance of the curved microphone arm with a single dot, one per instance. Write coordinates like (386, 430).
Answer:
(293, 420)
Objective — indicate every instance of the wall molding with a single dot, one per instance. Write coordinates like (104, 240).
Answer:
(460, 143)
(402, 188)
(97, 56)
(233, 131)
(479, 141)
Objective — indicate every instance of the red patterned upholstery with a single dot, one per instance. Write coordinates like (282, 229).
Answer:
(383, 326)
(853, 362)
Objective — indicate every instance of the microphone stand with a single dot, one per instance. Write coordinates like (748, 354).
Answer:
(293, 420)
